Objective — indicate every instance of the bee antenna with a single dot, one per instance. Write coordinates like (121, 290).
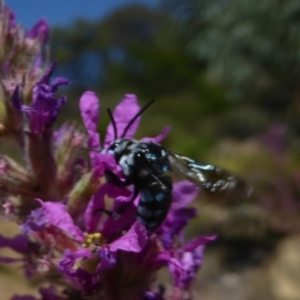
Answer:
(135, 117)
(113, 123)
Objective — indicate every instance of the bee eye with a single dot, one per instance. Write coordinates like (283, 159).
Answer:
(113, 146)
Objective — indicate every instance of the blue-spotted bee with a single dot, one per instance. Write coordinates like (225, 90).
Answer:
(146, 165)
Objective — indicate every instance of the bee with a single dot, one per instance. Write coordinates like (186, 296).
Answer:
(146, 166)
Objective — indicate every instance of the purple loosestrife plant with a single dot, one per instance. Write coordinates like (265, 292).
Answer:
(58, 196)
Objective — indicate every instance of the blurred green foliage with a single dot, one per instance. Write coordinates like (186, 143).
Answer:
(252, 47)
(143, 51)
(232, 67)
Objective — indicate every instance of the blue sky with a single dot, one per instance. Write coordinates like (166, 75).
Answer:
(63, 12)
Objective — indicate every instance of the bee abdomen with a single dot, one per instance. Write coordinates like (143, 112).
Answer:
(155, 202)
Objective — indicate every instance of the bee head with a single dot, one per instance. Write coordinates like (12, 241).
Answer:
(120, 147)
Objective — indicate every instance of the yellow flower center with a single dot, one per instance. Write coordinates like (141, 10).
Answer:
(93, 239)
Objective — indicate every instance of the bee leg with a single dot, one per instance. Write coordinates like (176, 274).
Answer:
(119, 211)
(114, 179)
(122, 208)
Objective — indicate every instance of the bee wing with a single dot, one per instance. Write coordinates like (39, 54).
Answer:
(212, 179)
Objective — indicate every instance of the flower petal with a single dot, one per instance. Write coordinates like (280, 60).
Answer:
(108, 259)
(49, 294)
(46, 78)
(96, 204)
(36, 221)
(164, 258)
(40, 30)
(89, 108)
(190, 257)
(18, 243)
(123, 114)
(58, 81)
(158, 139)
(11, 18)
(45, 106)
(133, 240)
(68, 260)
(119, 222)
(101, 162)
(184, 192)
(59, 217)
(200, 241)
(174, 223)
(67, 267)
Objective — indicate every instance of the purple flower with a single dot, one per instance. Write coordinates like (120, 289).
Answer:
(134, 240)
(34, 222)
(52, 215)
(190, 258)
(22, 58)
(183, 194)
(90, 250)
(89, 107)
(36, 130)
(40, 30)
(80, 278)
(18, 243)
(53, 227)
(12, 18)
(22, 66)
(56, 214)
(45, 107)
